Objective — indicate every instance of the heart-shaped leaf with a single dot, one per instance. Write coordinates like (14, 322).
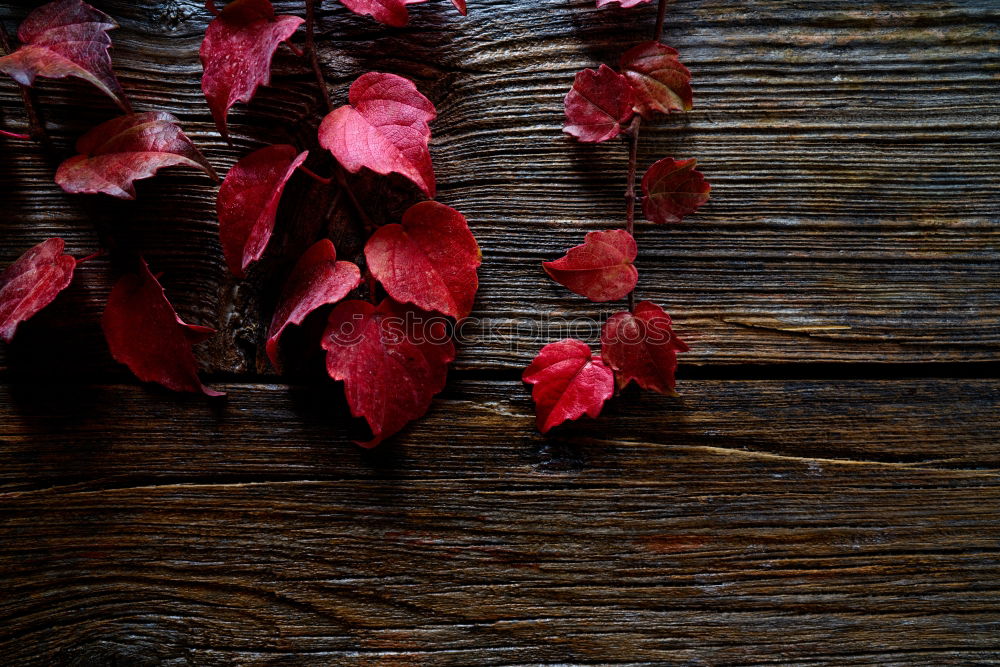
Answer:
(66, 38)
(32, 282)
(248, 201)
(237, 51)
(317, 279)
(601, 268)
(126, 149)
(568, 383)
(385, 128)
(599, 105)
(672, 189)
(642, 346)
(662, 84)
(392, 359)
(144, 333)
(429, 260)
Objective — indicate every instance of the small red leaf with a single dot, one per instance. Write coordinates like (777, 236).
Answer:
(626, 4)
(601, 269)
(385, 128)
(144, 333)
(237, 51)
(32, 282)
(126, 149)
(662, 84)
(248, 201)
(391, 12)
(317, 279)
(66, 38)
(642, 346)
(672, 189)
(392, 359)
(568, 383)
(599, 105)
(430, 260)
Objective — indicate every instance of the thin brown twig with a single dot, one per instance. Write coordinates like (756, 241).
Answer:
(633, 154)
(661, 14)
(36, 126)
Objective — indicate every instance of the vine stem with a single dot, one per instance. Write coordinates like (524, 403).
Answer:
(37, 127)
(661, 14)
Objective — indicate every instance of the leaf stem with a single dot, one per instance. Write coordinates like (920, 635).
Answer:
(294, 49)
(313, 175)
(36, 126)
(633, 153)
(313, 55)
(14, 135)
(661, 14)
(90, 257)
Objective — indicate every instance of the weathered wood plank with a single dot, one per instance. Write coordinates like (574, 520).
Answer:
(852, 149)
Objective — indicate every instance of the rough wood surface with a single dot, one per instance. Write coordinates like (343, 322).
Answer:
(826, 491)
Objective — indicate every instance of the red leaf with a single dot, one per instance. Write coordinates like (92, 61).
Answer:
(599, 105)
(624, 3)
(661, 83)
(237, 51)
(391, 12)
(672, 189)
(248, 201)
(66, 38)
(430, 260)
(317, 279)
(463, 10)
(126, 149)
(392, 358)
(568, 383)
(32, 282)
(385, 128)
(144, 333)
(601, 269)
(642, 346)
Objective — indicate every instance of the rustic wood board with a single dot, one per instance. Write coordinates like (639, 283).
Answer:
(826, 491)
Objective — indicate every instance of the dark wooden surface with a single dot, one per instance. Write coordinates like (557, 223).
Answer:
(825, 491)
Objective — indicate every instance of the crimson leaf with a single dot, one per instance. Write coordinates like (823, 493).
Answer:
(317, 279)
(672, 189)
(237, 51)
(125, 149)
(385, 128)
(642, 346)
(32, 282)
(568, 383)
(599, 105)
(144, 333)
(66, 38)
(601, 269)
(429, 260)
(248, 201)
(662, 84)
(392, 358)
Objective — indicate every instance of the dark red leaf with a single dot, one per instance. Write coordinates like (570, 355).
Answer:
(568, 383)
(32, 282)
(317, 279)
(126, 149)
(237, 51)
(385, 128)
(66, 38)
(391, 12)
(624, 3)
(672, 189)
(601, 269)
(430, 260)
(599, 105)
(144, 333)
(642, 346)
(248, 201)
(662, 84)
(392, 359)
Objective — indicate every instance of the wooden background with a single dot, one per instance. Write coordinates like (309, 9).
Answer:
(825, 491)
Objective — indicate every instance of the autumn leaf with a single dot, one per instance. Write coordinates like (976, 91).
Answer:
(429, 260)
(661, 83)
(391, 12)
(237, 51)
(384, 128)
(599, 105)
(66, 38)
(248, 201)
(32, 282)
(601, 269)
(144, 333)
(126, 149)
(392, 359)
(317, 279)
(672, 189)
(642, 346)
(568, 383)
